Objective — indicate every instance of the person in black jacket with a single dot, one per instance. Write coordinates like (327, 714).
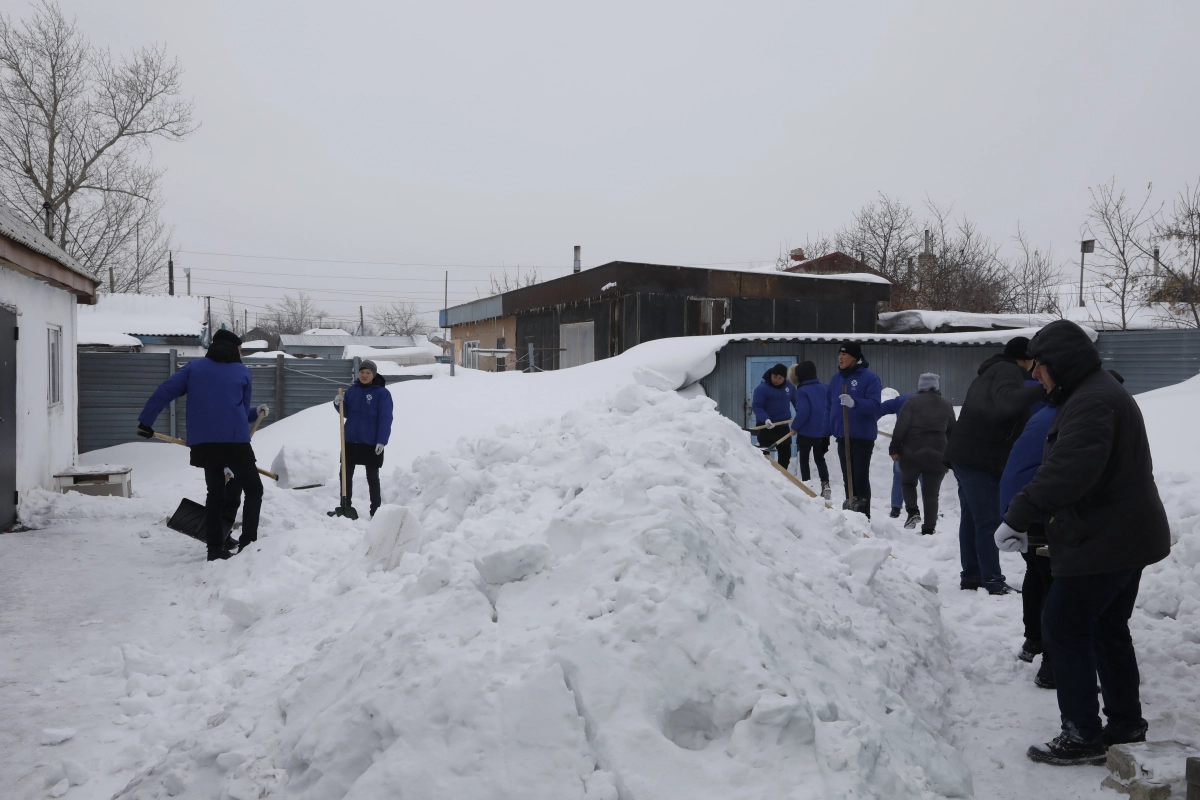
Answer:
(919, 445)
(1104, 521)
(992, 417)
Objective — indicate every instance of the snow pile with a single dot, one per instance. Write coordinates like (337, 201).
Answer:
(922, 321)
(146, 314)
(624, 602)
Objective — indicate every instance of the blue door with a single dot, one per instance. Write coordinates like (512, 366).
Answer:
(755, 367)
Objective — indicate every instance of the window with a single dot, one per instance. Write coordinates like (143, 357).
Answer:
(54, 387)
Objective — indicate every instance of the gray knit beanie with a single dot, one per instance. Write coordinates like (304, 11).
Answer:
(927, 381)
(367, 363)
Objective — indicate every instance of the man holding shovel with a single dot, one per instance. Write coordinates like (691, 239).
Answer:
(219, 415)
(853, 406)
(367, 407)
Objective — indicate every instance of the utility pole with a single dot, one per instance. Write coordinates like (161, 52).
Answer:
(362, 328)
(188, 272)
(170, 274)
(1086, 246)
(245, 319)
(208, 317)
(445, 305)
(137, 256)
(112, 284)
(49, 220)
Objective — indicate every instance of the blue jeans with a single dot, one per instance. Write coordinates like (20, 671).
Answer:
(897, 494)
(979, 510)
(1085, 629)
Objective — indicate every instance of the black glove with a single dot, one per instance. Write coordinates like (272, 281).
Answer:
(145, 431)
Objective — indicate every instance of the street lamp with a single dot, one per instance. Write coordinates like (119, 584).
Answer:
(1086, 246)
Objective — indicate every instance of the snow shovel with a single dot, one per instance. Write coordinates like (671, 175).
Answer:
(853, 503)
(163, 437)
(345, 509)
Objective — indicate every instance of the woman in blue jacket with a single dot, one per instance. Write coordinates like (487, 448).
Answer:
(219, 415)
(810, 422)
(772, 403)
(368, 409)
(862, 399)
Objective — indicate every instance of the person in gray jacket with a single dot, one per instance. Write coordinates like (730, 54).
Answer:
(919, 445)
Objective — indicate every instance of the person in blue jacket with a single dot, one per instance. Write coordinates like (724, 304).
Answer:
(893, 406)
(367, 406)
(862, 398)
(772, 403)
(1023, 462)
(219, 415)
(811, 422)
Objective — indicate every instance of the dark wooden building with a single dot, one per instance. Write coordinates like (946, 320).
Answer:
(606, 310)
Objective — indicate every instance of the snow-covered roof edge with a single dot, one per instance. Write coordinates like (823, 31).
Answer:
(21, 231)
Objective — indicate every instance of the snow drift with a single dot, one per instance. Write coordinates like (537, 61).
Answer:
(623, 603)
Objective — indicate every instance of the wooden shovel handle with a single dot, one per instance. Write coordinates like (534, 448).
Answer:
(764, 427)
(173, 440)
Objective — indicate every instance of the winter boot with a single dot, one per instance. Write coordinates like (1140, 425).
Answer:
(826, 492)
(1028, 650)
(913, 518)
(1002, 589)
(1067, 751)
(895, 513)
(1045, 675)
(1122, 735)
(969, 586)
(927, 530)
(221, 556)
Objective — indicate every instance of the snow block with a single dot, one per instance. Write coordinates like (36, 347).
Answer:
(299, 467)
(512, 562)
(243, 608)
(865, 559)
(51, 736)
(1148, 770)
(394, 531)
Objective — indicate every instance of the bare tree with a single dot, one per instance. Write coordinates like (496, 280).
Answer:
(813, 248)
(75, 133)
(1178, 285)
(1033, 279)
(293, 315)
(399, 318)
(884, 235)
(505, 283)
(967, 274)
(1122, 229)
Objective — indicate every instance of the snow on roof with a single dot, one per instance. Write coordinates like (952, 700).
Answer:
(260, 344)
(1107, 316)
(142, 314)
(427, 349)
(106, 339)
(21, 231)
(922, 321)
(333, 340)
(769, 268)
(326, 332)
(999, 337)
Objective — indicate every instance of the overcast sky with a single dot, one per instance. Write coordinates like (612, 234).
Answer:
(490, 134)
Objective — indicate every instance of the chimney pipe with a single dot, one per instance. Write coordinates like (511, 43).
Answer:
(928, 246)
(577, 267)
(1156, 262)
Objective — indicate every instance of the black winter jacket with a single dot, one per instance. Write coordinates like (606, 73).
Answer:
(993, 415)
(922, 430)
(1095, 488)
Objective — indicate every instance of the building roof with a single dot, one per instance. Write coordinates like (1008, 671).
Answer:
(835, 263)
(618, 278)
(143, 315)
(921, 321)
(48, 262)
(341, 340)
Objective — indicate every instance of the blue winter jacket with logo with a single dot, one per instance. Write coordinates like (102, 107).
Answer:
(1026, 455)
(811, 419)
(368, 411)
(218, 407)
(772, 402)
(866, 388)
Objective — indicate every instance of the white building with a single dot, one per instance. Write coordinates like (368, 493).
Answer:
(40, 286)
(144, 323)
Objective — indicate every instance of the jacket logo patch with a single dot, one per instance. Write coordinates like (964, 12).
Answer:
(368, 398)
(854, 383)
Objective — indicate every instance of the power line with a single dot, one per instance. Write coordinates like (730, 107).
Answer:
(444, 266)
(335, 277)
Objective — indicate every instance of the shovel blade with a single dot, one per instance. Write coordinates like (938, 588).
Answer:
(344, 510)
(858, 505)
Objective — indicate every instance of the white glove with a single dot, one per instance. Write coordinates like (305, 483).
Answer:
(846, 400)
(769, 424)
(228, 474)
(337, 401)
(1011, 541)
(263, 411)
(378, 449)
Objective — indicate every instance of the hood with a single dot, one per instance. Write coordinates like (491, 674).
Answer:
(1068, 353)
(996, 359)
(853, 368)
(778, 369)
(223, 351)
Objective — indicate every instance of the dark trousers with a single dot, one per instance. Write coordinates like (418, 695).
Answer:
(216, 499)
(770, 436)
(1036, 587)
(1085, 629)
(372, 485)
(860, 463)
(819, 447)
(979, 516)
(931, 486)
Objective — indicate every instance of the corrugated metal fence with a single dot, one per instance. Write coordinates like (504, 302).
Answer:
(1146, 360)
(113, 388)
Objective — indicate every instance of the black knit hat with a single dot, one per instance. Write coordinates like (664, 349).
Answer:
(853, 349)
(225, 335)
(778, 369)
(1018, 348)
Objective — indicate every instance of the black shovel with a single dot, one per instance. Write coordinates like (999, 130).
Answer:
(860, 505)
(345, 509)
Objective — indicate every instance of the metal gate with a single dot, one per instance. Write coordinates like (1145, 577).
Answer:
(8, 418)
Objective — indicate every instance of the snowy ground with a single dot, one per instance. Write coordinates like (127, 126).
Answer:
(618, 601)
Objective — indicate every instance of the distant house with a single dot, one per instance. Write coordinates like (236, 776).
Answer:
(40, 289)
(606, 310)
(336, 345)
(144, 323)
(256, 340)
(835, 263)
